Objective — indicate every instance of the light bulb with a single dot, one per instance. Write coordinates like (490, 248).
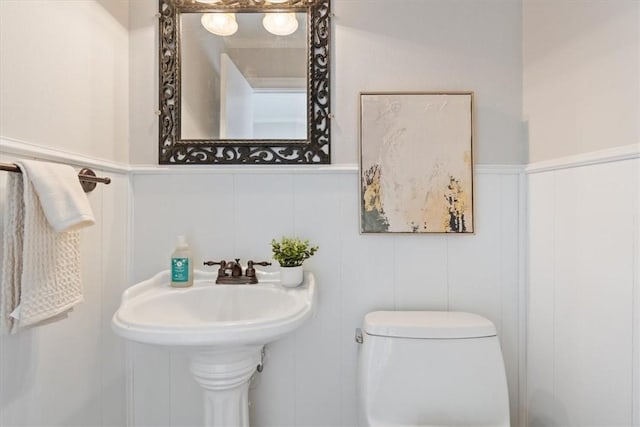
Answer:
(221, 24)
(280, 24)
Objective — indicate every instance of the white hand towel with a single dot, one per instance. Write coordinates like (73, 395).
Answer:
(61, 196)
(40, 267)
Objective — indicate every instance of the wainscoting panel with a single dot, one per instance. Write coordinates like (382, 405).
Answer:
(310, 376)
(582, 282)
(540, 335)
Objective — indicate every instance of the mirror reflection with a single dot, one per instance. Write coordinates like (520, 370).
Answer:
(247, 84)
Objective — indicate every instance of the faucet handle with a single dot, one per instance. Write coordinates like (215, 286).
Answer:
(251, 272)
(262, 263)
(222, 264)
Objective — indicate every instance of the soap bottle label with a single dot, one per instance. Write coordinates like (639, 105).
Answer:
(180, 270)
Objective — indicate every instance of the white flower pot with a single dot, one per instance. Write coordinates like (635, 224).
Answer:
(291, 277)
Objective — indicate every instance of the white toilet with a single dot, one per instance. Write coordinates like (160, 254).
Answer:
(431, 368)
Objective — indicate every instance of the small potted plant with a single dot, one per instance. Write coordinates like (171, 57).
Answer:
(291, 252)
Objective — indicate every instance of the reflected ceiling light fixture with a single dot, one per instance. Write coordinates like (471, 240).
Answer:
(220, 24)
(280, 23)
(208, 1)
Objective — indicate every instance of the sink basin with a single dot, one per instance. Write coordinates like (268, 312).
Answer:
(207, 314)
(225, 326)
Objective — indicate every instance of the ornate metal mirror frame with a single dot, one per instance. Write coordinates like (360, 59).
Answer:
(314, 150)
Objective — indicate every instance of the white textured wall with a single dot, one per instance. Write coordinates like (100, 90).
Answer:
(431, 45)
(64, 75)
(581, 75)
(309, 378)
(143, 77)
(407, 45)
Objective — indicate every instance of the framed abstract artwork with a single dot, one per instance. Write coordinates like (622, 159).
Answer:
(416, 162)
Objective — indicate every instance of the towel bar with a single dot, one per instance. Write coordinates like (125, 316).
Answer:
(87, 177)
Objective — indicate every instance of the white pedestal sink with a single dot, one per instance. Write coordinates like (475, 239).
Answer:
(225, 326)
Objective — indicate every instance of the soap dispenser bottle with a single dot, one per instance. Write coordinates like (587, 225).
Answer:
(181, 265)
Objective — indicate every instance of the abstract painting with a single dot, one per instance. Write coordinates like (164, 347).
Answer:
(416, 162)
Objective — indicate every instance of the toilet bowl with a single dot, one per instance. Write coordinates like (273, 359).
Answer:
(430, 368)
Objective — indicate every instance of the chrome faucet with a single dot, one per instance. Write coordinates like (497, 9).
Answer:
(230, 273)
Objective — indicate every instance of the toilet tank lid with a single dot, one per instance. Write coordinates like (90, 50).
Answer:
(428, 324)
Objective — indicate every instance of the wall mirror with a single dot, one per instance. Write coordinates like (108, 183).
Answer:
(244, 81)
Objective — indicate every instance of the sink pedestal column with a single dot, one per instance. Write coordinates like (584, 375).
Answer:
(224, 375)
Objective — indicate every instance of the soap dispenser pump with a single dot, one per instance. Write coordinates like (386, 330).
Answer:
(181, 265)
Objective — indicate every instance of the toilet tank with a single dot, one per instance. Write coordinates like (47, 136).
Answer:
(426, 368)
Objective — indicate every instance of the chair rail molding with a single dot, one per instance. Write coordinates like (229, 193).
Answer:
(28, 149)
(617, 154)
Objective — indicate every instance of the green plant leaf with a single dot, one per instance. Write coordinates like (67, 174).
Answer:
(292, 251)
